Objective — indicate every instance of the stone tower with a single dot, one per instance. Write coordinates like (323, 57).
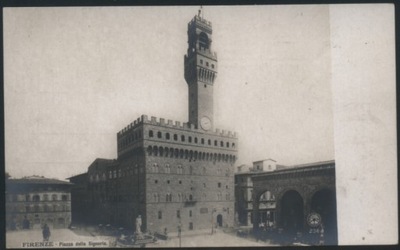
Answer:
(200, 73)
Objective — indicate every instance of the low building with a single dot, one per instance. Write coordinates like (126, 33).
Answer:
(244, 193)
(80, 199)
(33, 201)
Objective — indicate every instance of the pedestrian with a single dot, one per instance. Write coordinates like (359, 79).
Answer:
(46, 232)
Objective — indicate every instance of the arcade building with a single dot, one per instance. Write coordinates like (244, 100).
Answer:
(174, 175)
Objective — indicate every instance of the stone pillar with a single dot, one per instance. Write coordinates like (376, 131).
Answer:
(278, 219)
(256, 216)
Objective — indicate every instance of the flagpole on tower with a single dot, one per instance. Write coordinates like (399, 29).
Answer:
(201, 12)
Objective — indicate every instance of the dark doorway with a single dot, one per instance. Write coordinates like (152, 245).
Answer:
(292, 214)
(219, 220)
(324, 203)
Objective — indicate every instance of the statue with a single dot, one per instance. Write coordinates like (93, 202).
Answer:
(138, 225)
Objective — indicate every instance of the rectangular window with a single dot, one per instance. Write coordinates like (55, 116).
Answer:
(159, 215)
(219, 184)
(178, 213)
(203, 210)
(190, 213)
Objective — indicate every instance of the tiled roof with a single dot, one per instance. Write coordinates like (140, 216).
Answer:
(37, 180)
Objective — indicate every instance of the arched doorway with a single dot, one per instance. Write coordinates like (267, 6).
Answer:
(292, 212)
(219, 220)
(324, 203)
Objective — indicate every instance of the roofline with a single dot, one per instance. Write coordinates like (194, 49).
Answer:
(76, 175)
(22, 181)
(289, 169)
(312, 164)
(244, 173)
(264, 160)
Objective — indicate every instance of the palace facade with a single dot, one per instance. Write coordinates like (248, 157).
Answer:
(34, 201)
(174, 175)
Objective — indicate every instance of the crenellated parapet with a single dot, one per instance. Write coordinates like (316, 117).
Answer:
(201, 23)
(162, 122)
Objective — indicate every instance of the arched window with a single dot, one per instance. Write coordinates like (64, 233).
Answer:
(195, 140)
(202, 140)
(222, 143)
(167, 136)
(182, 138)
(155, 168)
(159, 135)
(155, 197)
(166, 150)
(175, 137)
(186, 154)
(190, 139)
(215, 143)
(36, 198)
(179, 169)
(151, 133)
(204, 43)
(209, 142)
(149, 150)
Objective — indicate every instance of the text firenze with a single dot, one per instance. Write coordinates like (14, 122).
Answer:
(65, 244)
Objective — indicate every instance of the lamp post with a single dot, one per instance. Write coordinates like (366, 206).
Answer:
(179, 233)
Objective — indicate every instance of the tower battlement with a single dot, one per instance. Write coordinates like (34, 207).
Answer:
(201, 23)
(144, 119)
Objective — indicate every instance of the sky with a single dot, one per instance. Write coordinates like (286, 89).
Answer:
(74, 77)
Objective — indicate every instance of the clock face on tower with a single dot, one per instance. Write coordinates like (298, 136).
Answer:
(205, 123)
